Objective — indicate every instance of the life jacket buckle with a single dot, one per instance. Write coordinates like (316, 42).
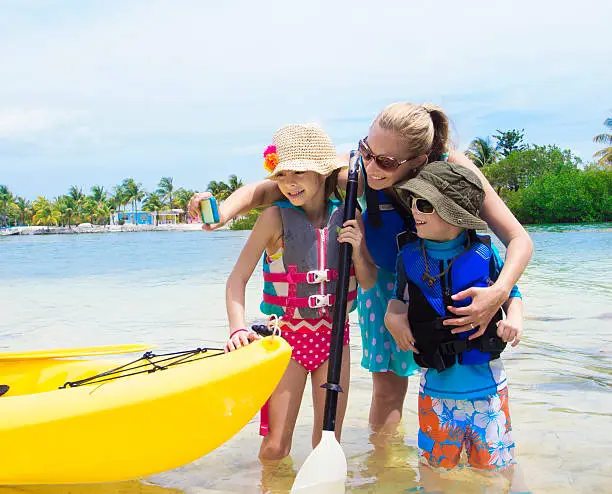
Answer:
(455, 347)
(318, 301)
(317, 276)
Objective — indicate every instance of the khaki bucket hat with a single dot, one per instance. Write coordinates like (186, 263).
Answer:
(455, 192)
(301, 147)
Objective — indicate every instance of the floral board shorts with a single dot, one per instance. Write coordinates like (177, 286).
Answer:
(481, 426)
(380, 352)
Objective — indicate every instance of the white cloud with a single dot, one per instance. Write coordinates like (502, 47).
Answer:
(20, 122)
(146, 75)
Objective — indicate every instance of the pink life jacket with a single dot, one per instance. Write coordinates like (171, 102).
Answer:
(300, 284)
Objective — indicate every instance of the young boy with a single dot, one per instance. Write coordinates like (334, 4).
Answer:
(463, 398)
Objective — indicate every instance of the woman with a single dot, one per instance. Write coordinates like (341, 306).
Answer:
(402, 138)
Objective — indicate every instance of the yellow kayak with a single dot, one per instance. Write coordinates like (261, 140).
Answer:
(61, 425)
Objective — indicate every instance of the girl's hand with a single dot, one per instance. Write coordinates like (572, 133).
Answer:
(193, 208)
(510, 331)
(484, 305)
(351, 232)
(240, 338)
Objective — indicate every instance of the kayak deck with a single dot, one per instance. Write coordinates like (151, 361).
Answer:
(22, 377)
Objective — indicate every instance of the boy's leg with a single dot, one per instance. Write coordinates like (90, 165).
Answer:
(284, 407)
(440, 435)
(319, 377)
(388, 394)
(489, 439)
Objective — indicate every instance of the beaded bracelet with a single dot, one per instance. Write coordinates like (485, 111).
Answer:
(236, 332)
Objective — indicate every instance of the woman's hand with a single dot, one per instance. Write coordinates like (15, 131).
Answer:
(240, 338)
(193, 208)
(484, 305)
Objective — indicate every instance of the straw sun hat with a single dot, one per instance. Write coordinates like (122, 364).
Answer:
(301, 147)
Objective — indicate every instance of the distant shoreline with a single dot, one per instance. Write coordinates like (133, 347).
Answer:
(65, 230)
(192, 227)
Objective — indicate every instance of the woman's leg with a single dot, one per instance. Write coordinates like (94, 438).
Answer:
(388, 394)
(284, 407)
(319, 377)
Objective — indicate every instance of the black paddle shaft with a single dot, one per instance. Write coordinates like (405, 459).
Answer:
(342, 287)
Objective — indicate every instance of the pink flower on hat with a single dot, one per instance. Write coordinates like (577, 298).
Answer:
(270, 158)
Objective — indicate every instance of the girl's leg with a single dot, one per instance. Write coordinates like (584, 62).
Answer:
(319, 377)
(388, 394)
(284, 407)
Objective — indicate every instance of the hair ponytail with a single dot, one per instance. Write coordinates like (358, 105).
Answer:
(439, 145)
(425, 128)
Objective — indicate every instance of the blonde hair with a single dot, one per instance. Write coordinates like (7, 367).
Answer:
(424, 127)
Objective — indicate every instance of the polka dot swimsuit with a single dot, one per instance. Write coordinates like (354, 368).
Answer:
(380, 352)
(311, 348)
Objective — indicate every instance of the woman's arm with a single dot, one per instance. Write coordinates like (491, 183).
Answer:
(239, 202)
(519, 248)
(266, 228)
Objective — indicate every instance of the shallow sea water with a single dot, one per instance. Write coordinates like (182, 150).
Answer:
(167, 288)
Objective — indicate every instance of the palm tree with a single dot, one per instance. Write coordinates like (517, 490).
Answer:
(604, 156)
(104, 211)
(134, 193)
(5, 197)
(218, 189)
(482, 152)
(117, 199)
(221, 190)
(68, 207)
(25, 209)
(45, 213)
(99, 205)
(153, 202)
(98, 194)
(76, 194)
(165, 190)
(234, 183)
(182, 197)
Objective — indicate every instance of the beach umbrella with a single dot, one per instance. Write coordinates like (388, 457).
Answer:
(325, 469)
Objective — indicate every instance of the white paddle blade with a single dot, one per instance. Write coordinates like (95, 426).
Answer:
(325, 469)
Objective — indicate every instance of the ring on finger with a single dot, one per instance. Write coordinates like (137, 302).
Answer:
(471, 325)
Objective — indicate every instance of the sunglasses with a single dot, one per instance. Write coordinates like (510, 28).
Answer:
(382, 161)
(423, 206)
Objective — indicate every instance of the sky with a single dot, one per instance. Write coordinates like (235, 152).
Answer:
(92, 92)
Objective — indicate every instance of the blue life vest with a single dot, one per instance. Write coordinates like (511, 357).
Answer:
(438, 347)
(384, 222)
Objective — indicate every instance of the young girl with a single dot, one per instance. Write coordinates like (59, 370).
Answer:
(402, 138)
(298, 237)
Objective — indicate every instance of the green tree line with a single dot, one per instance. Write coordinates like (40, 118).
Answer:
(547, 184)
(540, 184)
(96, 207)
